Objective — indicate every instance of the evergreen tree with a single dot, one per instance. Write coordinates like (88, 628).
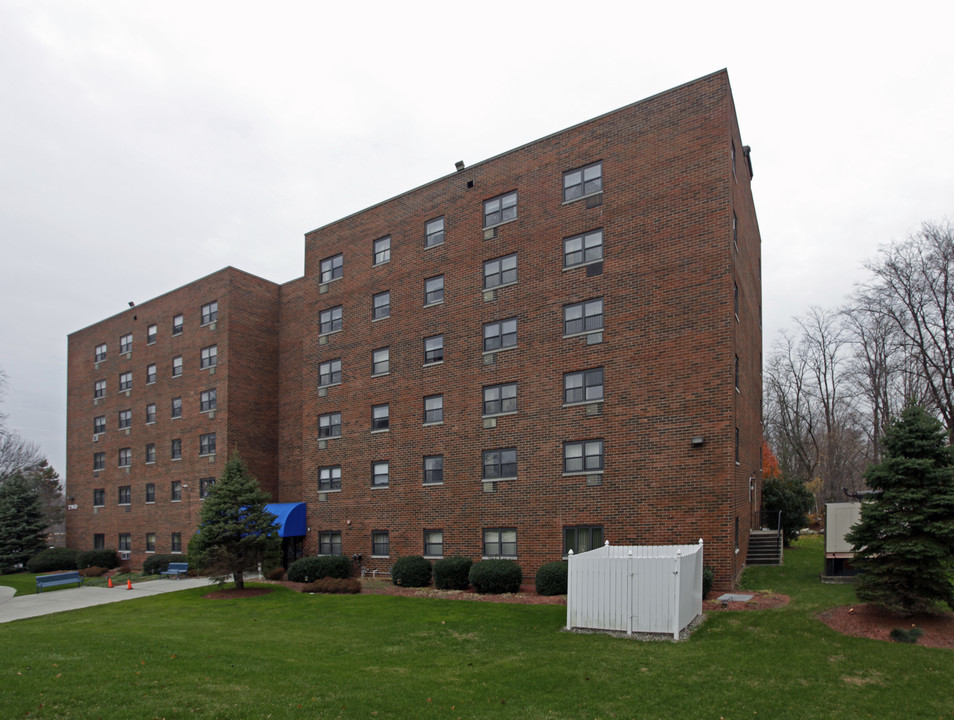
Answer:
(904, 543)
(22, 522)
(790, 497)
(235, 531)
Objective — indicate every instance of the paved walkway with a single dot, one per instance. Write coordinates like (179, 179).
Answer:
(53, 601)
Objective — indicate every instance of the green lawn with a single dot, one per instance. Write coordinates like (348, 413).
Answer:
(288, 655)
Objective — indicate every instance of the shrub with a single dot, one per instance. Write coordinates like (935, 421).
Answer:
(496, 576)
(52, 559)
(906, 635)
(551, 578)
(708, 577)
(411, 571)
(335, 586)
(310, 569)
(452, 573)
(155, 564)
(276, 574)
(93, 571)
(101, 558)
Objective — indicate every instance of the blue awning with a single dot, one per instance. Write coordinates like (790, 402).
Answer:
(291, 518)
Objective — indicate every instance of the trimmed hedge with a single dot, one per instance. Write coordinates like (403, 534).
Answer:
(452, 573)
(334, 586)
(411, 571)
(496, 576)
(708, 577)
(309, 569)
(52, 559)
(101, 558)
(551, 578)
(155, 564)
(276, 574)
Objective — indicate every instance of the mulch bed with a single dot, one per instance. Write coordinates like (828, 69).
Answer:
(868, 621)
(761, 600)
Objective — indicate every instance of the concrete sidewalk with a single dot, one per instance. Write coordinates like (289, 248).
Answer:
(54, 601)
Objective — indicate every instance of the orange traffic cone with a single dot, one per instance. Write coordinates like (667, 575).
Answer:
(109, 582)
(129, 584)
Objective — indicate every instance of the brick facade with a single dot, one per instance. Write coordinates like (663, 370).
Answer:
(679, 350)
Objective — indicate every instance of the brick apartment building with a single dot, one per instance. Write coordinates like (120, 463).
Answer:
(555, 347)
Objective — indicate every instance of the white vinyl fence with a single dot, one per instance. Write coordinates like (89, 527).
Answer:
(635, 589)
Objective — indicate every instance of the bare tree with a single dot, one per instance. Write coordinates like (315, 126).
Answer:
(17, 454)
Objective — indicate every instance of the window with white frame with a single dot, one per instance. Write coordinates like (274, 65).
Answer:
(381, 361)
(582, 538)
(151, 373)
(583, 457)
(209, 356)
(125, 495)
(583, 249)
(175, 490)
(433, 349)
(583, 317)
(500, 542)
(205, 485)
(100, 353)
(332, 268)
(500, 209)
(329, 373)
(177, 325)
(207, 444)
(382, 250)
(329, 425)
(99, 425)
(125, 381)
(500, 464)
(500, 271)
(177, 407)
(380, 418)
(433, 469)
(329, 543)
(380, 543)
(125, 542)
(99, 461)
(99, 497)
(381, 306)
(150, 453)
(125, 419)
(583, 386)
(330, 320)
(208, 400)
(434, 290)
(125, 457)
(99, 541)
(433, 409)
(434, 232)
(176, 449)
(175, 542)
(500, 335)
(177, 366)
(210, 312)
(150, 413)
(500, 399)
(150, 542)
(125, 343)
(380, 474)
(433, 543)
(580, 182)
(99, 389)
(151, 332)
(150, 492)
(329, 478)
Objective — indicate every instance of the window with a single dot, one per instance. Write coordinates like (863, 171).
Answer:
(736, 372)
(434, 543)
(100, 354)
(585, 456)
(207, 400)
(99, 389)
(150, 453)
(99, 461)
(434, 232)
(177, 325)
(176, 490)
(206, 444)
(151, 332)
(735, 230)
(150, 413)
(99, 425)
(329, 543)
(583, 386)
(329, 373)
(176, 542)
(205, 485)
(150, 542)
(381, 361)
(583, 317)
(500, 335)
(329, 478)
(433, 469)
(433, 409)
(583, 181)
(329, 425)
(125, 494)
(733, 158)
(380, 543)
(150, 492)
(380, 474)
(380, 417)
(499, 464)
(500, 209)
(433, 349)
(332, 268)
(501, 271)
(125, 381)
(381, 306)
(125, 457)
(125, 542)
(150, 374)
(583, 249)
(434, 290)
(500, 399)
(210, 312)
(125, 344)
(176, 452)
(330, 320)
(382, 250)
(500, 542)
(125, 419)
(99, 497)
(737, 444)
(735, 299)
(99, 541)
(177, 366)
(177, 407)
(581, 538)
(209, 356)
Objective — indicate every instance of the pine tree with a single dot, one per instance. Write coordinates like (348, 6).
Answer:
(22, 522)
(904, 543)
(235, 531)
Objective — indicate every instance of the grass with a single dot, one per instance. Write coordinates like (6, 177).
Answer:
(289, 655)
(25, 583)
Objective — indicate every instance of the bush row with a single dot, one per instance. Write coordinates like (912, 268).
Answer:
(334, 585)
(309, 569)
(155, 564)
(53, 559)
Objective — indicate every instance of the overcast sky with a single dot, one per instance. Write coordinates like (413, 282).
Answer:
(144, 145)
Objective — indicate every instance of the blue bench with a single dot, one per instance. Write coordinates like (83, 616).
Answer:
(63, 578)
(177, 569)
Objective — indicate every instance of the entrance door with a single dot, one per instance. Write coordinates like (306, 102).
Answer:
(293, 548)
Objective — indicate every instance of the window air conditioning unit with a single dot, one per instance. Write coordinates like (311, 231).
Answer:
(124, 554)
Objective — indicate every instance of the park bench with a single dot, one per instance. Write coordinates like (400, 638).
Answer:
(177, 569)
(62, 578)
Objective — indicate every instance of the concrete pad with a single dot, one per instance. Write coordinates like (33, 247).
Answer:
(730, 597)
(6, 593)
